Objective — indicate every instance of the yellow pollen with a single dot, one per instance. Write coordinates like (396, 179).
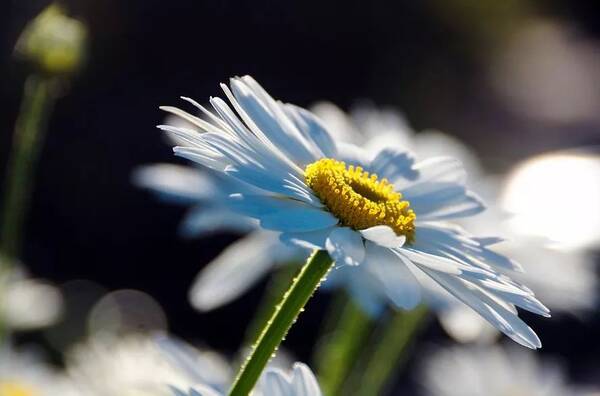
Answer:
(358, 199)
(9, 388)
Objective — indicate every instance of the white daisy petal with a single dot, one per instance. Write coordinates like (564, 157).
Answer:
(383, 236)
(353, 155)
(310, 126)
(439, 192)
(398, 281)
(310, 240)
(216, 121)
(275, 383)
(234, 271)
(394, 165)
(298, 220)
(499, 316)
(345, 246)
(273, 122)
(198, 390)
(447, 202)
(431, 261)
(202, 157)
(182, 135)
(174, 182)
(255, 205)
(437, 170)
(340, 126)
(259, 179)
(200, 123)
(304, 381)
(514, 295)
(206, 220)
(368, 294)
(454, 242)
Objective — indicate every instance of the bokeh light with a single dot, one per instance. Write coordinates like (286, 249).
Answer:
(556, 196)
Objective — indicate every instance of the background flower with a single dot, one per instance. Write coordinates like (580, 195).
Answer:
(137, 365)
(478, 370)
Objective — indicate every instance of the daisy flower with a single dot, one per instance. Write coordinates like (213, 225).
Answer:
(136, 365)
(386, 211)
(491, 370)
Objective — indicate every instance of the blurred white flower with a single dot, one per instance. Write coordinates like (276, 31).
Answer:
(136, 365)
(493, 371)
(301, 187)
(273, 382)
(25, 374)
(26, 303)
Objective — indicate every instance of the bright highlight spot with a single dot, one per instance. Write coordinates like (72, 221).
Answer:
(358, 199)
(556, 196)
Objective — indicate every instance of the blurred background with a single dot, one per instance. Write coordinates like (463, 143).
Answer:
(511, 79)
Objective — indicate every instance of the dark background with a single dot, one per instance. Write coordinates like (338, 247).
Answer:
(427, 58)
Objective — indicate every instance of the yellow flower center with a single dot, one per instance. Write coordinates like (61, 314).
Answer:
(358, 199)
(10, 388)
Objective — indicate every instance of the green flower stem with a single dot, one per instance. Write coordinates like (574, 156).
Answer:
(38, 99)
(390, 352)
(286, 313)
(338, 349)
(277, 286)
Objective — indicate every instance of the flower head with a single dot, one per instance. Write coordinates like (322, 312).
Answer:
(281, 152)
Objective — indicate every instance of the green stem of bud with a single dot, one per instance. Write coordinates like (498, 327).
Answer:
(38, 100)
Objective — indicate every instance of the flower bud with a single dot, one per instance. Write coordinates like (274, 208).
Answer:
(53, 42)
